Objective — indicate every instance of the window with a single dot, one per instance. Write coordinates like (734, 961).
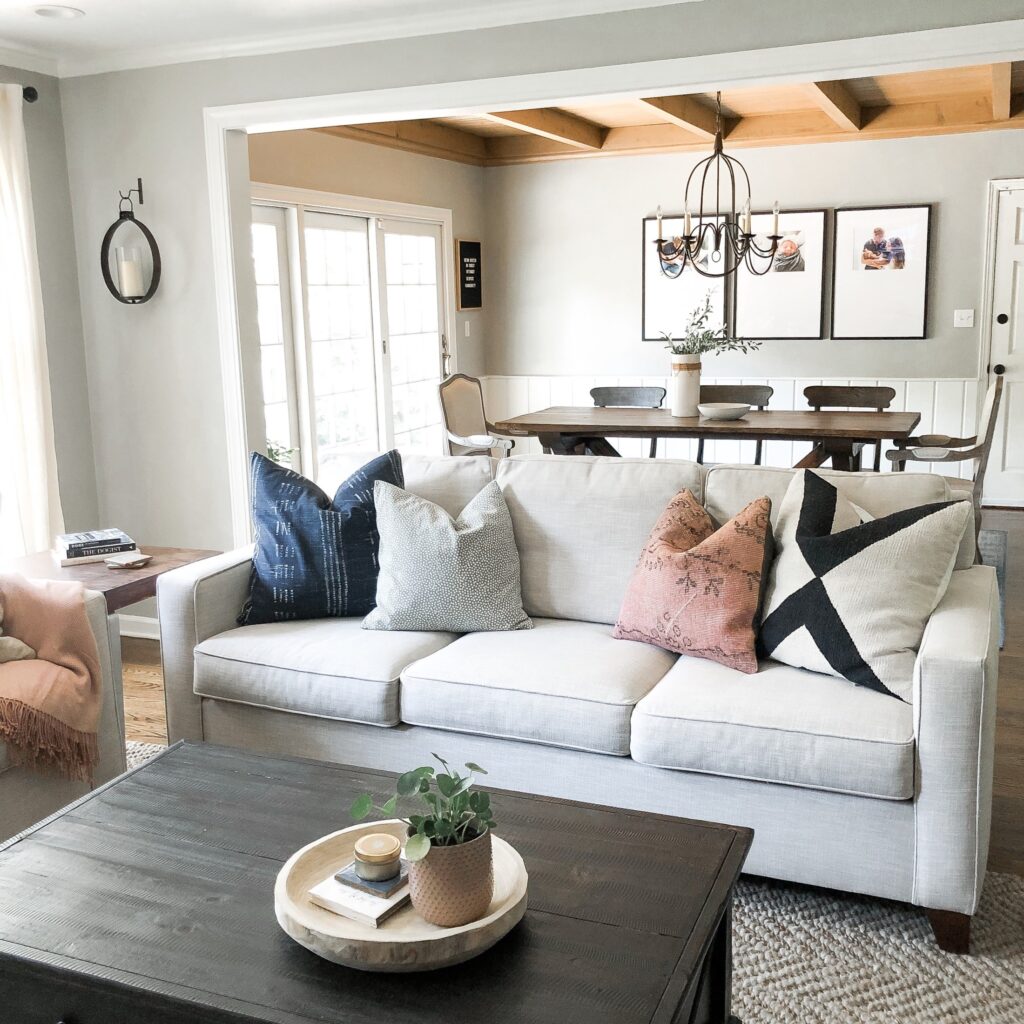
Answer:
(351, 311)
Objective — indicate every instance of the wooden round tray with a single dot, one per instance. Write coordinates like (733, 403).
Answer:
(404, 942)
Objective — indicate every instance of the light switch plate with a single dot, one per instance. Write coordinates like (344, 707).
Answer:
(466, 325)
(963, 317)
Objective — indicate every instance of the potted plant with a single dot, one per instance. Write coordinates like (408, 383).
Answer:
(698, 339)
(451, 875)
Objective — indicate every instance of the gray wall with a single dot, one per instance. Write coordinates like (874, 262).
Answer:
(328, 163)
(555, 312)
(58, 272)
(154, 369)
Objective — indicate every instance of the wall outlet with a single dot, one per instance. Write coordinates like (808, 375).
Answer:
(963, 317)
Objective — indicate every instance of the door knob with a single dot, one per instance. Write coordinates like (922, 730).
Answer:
(1002, 318)
(999, 369)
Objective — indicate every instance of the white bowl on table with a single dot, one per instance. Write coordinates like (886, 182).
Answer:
(723, 410)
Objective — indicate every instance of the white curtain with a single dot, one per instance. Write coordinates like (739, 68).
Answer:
(30, 513)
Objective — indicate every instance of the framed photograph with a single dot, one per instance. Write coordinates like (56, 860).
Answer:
(470, 283)
(669, 301)
(788, 301)
(880, 272)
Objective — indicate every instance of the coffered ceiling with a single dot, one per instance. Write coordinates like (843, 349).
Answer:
(967, 99)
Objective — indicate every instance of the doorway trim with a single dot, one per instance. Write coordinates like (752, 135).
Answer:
(226, 128)
(996, 187)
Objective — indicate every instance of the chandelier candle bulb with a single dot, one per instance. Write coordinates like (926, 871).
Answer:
(660, 235)
(378, 857)
(746, 217)
(775, 218)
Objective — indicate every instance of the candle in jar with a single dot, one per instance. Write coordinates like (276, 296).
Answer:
(378, 856)
(129, 273)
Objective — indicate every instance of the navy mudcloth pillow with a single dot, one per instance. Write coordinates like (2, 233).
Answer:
(314, 557)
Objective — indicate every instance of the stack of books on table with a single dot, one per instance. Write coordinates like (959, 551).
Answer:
(91, 546)
(369, 903)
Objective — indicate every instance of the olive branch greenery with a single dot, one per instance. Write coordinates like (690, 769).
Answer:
(699, 339)
(456, 814)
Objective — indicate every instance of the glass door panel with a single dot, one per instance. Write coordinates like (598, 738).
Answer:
(340, 354)
(414, 317)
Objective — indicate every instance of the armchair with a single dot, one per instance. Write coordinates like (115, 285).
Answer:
(468, 430)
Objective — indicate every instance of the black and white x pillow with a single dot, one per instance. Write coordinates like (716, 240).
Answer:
(851, 598)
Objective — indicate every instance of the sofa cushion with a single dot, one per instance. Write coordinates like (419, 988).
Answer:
(729, 488)
(449, 482)
(329, 668)
(783, 725)
(585, 520)
(569, 684)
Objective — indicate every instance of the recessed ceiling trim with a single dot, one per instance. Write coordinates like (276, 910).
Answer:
(14, 56)
(493, 14)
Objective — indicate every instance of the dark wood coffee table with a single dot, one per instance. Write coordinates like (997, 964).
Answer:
(151, 900)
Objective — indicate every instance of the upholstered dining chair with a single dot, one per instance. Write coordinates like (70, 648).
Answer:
(829, 396)
(467, 429)
(755, 395)
(629, 397)
(941, 448)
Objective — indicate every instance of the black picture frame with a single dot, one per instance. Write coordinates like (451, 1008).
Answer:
(842, 275)
(826, 252)
(469, 276)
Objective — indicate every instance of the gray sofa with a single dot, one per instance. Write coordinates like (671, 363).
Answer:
(844, 787)
(27, 796)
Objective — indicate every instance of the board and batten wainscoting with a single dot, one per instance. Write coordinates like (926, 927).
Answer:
(947, 405)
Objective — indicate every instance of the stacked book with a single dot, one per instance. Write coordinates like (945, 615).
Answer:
(91, 546)
(369, 903)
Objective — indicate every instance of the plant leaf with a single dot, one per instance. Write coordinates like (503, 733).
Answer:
(388, 809)
(417, 847)
(408, 783)
(446, 784)
(475, 768)
(361, 807)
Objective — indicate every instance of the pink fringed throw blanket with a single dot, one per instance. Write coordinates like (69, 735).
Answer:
(50, 705)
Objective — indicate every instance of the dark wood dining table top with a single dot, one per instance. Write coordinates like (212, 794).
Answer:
(791, 424)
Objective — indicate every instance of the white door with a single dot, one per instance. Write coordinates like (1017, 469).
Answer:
(351, 313)
(1004, 481)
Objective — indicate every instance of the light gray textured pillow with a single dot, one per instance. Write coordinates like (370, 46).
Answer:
(438, 573)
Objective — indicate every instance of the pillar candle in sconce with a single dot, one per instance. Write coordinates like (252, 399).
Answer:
(129, 272)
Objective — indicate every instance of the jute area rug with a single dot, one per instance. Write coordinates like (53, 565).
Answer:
(811, 956)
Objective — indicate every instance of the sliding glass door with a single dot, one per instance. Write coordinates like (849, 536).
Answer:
(352, 345)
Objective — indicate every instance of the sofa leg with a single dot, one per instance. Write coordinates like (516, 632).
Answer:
(952, 930)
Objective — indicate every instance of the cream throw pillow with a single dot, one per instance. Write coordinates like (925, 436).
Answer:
(439, 573)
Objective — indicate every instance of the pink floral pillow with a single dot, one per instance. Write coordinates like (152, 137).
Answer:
(696, 590)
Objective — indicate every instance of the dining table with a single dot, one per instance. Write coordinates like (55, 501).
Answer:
(838, 436)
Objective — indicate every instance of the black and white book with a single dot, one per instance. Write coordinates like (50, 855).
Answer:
(363, 907)
(92, 542)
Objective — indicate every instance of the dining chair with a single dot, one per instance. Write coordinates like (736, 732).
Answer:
(629, 397)
(467, 429)
(942, 448)
(839, 396)
(755, 395)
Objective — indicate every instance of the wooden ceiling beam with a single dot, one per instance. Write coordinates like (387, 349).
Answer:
(685, 112)
(555, 125)
(427, 138)
(838, 103)
(1001, 75)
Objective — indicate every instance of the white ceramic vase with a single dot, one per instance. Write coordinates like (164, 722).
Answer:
(684, 385)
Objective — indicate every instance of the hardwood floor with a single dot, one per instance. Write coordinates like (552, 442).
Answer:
(144, 707)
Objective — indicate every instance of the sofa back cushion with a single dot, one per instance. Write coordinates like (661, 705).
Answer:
(731, 488)
(449, 482)
(580, 525)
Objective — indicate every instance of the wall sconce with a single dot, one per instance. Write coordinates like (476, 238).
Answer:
(131, 283)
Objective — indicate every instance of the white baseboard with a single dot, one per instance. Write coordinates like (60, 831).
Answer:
(142, 627)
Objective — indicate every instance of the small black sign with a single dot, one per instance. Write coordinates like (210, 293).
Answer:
(468, 258)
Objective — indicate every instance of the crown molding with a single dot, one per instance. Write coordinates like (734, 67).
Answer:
(494, 14)
(14, 56)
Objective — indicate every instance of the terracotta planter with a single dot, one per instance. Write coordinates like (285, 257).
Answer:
(684, 385)
(453, 885)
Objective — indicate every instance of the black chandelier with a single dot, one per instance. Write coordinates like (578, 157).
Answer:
(721, 240)
(131, 286)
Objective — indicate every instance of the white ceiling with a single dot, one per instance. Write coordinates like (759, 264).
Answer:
(119, 34)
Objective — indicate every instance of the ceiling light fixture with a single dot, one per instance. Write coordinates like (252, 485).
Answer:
(722, 239)
(59, 11)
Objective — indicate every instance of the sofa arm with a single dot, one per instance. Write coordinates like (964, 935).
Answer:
(194, 603)
(954, 711)
(111, 728)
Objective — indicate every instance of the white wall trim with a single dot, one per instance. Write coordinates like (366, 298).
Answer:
(995, 188)
(978, 44)
(142, 627)
(432, 20)
(28, 60)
